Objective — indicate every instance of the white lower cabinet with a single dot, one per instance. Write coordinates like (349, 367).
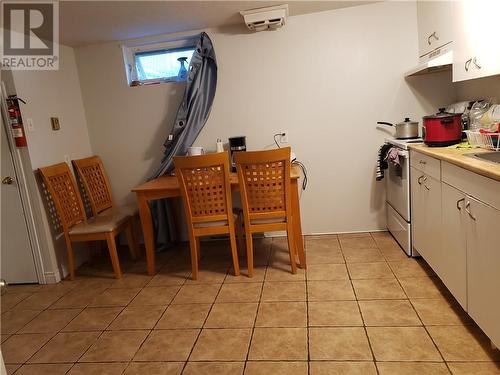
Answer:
(483, 267)
(417, 212)
(426, 213)
(452, 258)
(456, 229)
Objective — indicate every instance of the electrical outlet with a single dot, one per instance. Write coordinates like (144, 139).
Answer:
(284, 137)
(30, 125)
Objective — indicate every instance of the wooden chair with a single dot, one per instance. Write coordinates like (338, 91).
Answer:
(206, 193)
(94, 178)
(92, 175)
(64, 192)
(264, 179)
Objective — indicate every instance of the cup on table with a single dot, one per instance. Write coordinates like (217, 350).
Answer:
(193, 151)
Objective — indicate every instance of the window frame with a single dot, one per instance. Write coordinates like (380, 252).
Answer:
(131, 50)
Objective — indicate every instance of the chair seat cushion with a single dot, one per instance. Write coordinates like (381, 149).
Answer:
(219, 223)
(101, 223)
(269, 221)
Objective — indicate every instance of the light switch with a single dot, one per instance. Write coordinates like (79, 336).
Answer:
(55, 123)
(30, 125)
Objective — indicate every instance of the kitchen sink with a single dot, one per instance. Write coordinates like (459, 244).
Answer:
(493, 157)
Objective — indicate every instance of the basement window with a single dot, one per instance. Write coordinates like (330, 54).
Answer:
(158, 62)
(164, 64)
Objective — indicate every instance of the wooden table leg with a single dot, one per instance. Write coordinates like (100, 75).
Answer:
(297, 225)
(147, 231)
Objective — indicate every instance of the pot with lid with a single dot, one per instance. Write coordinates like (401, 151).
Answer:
(442, 129)
(406, 129)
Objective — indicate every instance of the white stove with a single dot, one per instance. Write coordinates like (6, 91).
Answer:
(398, 199)
(403, 143)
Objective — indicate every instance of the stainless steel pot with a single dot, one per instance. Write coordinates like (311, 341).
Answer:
(404, 130)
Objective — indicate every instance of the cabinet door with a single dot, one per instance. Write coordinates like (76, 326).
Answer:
(417, 211)
(426, 216)
(435, 28)
(476, 53)
(452, 259)
(431, 189)
(483, 267)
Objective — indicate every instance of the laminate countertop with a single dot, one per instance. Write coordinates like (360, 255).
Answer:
(457, 156)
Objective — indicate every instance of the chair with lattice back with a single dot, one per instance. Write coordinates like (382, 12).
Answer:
(90, 171)
(265, 187)
(94, 180)
(62, 187)
(92, 175)
(206, 193)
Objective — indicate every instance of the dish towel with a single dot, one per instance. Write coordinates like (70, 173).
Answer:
(381, 162)
(392, 156)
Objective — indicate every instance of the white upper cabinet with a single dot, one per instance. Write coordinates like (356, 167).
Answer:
(476, 51)
(435, 25)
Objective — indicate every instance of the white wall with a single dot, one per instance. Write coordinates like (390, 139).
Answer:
(127, 126)
(53, 94)
(326, 78)
(482, 88)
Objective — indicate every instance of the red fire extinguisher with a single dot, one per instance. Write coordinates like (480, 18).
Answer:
(16, 121)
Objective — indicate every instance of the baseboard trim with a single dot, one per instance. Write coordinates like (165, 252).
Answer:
(52, 277)
(345, 232)
(283, 234)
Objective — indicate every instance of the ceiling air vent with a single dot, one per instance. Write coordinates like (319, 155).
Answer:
(268, 18)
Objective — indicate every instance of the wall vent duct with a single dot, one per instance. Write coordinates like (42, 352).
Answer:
(268, 18)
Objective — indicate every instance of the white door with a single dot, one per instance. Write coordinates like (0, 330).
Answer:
(17, 263)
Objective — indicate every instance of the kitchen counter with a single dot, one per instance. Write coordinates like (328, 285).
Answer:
(457, 157)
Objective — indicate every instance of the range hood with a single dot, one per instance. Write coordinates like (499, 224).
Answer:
(438, 60)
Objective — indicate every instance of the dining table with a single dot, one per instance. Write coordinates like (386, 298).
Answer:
(168, 187)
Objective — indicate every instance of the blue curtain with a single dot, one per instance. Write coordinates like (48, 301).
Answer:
(192, 115)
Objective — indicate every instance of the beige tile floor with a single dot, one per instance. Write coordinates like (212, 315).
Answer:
(362, 307)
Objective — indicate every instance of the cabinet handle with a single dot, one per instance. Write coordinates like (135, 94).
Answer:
(467, 64)
(433, 35)
(421, 180)
(474, 61)
(422, 162)
(458, 204)
(468, 211)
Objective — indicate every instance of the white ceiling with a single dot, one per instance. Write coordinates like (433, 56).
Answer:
(91, 22)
